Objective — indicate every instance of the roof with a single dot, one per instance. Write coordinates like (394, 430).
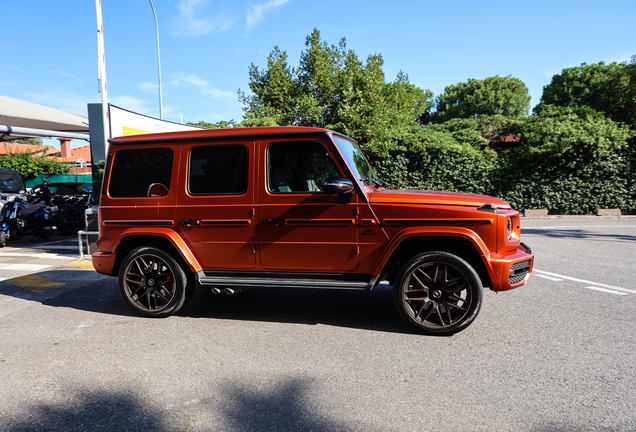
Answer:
(83, 152)
(218, 133)
(17, 113)
(37, 150)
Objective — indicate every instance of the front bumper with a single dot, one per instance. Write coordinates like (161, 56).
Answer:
(512, 269)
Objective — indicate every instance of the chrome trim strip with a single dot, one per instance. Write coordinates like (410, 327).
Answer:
(437, 222)
(286, 283)
(319, 221)
(141, 222)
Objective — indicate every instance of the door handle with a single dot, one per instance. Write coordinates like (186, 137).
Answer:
(273, 221)
(190, 222)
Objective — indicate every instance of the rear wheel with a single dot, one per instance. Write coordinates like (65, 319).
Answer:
(152, 282)
(65, 225)
(438, 293)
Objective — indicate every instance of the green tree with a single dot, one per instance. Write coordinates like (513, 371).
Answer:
(505, 96)
(32, 141)
(571, 160)
(332, 88)
(31, 167)
(609, 88)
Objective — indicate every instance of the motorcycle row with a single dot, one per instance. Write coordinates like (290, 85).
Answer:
(36, 212)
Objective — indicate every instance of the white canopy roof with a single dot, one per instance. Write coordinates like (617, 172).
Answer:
(17, 115)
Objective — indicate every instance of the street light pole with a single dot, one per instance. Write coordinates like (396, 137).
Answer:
(158, 60)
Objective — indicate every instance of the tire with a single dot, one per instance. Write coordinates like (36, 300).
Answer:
(152, 282)
(438, 293)
(3, 239)
(65, 225)
(45, 233)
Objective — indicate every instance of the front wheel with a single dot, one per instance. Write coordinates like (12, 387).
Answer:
(152, 282)
(438, 293)
(3, 239)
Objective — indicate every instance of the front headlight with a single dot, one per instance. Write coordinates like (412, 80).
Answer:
(11, 198)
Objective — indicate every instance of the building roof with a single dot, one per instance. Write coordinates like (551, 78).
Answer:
(35, 150)
(83, 152)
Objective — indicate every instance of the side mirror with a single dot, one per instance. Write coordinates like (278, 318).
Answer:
(339, 186)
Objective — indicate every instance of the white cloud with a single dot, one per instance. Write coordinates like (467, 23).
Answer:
(130, 103)
(71, 76)
(192, 20)
(202, 85)
(256, 13)
(148, 87)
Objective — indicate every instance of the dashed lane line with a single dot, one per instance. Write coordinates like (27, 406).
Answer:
(606, 290)
(596, 285)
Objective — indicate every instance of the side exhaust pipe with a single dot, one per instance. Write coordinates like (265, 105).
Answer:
(215, 291)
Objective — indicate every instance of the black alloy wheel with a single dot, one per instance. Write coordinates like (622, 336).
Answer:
(438, 293)
(152, 282)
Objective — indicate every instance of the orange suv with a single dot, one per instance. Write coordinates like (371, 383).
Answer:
(295, 207)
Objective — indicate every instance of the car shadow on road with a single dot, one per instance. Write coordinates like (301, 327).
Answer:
(87, 291)
(372, 310)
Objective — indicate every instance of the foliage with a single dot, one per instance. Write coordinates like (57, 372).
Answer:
(332, 88)
(423, 158)
(505, 96)
(31, 167)
(479, 131)
(31, 141)
(607, 88)
(570, 161)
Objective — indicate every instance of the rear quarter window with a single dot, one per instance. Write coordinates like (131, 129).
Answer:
(135, 170)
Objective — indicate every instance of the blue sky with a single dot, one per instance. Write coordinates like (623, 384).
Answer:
(49, 48)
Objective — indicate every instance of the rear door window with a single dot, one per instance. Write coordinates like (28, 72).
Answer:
(218, 170)
(135, 170)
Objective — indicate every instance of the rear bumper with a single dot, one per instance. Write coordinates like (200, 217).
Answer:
(104, 262)
(511, 269)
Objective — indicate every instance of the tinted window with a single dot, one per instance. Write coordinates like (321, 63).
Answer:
(218, 170)
(135, 170)
(298, 167)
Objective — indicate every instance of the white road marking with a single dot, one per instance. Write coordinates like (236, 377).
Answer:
(36, 255)
(605, 290)
(546, 277)
(23, 267)
(598, 285)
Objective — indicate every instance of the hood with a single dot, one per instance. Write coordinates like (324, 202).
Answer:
(435, 198)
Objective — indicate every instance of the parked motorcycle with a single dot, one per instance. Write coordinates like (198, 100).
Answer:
(69, 216)
(22, 216)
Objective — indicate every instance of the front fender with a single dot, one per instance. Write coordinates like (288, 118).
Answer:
(407, 233)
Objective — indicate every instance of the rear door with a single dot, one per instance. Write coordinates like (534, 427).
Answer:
(301, 229)
(215, 211)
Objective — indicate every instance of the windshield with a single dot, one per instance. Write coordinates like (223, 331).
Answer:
(11, 181)
(361, 167)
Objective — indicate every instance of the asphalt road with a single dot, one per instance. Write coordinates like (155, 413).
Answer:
(555, 355)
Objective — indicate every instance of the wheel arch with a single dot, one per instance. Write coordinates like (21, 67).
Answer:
(166, 241)
(467, 246)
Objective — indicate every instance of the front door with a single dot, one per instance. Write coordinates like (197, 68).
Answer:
(300, 228)
(216, 211)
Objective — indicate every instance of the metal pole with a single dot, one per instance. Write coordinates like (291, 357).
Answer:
(158, 60)
(101, 59)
